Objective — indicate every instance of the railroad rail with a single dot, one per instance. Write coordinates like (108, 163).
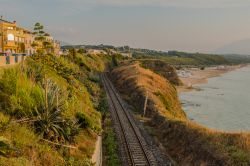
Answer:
(135, 151)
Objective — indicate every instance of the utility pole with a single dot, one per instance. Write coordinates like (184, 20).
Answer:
(57, 99)
(145, 104)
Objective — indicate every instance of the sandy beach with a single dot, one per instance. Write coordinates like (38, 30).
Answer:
(194, 76)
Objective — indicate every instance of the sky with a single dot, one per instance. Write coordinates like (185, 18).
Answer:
(184, 25)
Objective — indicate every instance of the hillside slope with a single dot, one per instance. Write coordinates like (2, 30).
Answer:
(188, 143)
(135, 82)
(164, 69)
(177, 58)
(49, 110)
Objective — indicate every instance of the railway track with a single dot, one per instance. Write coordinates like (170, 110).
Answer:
(134, 149)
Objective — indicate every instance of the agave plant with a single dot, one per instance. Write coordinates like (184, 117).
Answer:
(50, 122)
(5, 147)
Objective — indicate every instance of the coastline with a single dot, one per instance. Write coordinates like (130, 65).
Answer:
(195, 76)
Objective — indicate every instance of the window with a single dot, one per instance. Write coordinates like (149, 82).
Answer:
(10, 28)
(11, 37)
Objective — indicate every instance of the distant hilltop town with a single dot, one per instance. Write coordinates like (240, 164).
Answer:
(15, 40)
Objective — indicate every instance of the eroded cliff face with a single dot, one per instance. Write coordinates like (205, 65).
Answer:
(187, 142)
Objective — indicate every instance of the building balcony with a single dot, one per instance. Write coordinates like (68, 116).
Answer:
(10, 44)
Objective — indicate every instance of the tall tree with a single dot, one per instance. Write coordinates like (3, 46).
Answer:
(43, 41)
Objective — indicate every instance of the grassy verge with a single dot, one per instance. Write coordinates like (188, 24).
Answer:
(111, 157)
(110, 146)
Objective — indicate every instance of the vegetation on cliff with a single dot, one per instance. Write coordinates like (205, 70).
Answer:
(164, 69)
(49, 110)
(187, 142)
(134, 82)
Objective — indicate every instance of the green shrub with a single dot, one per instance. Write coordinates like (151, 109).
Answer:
(79, 162)
(94, 78)
(4, 120)
(83, 120)
(19, 161)
(4, 146)
(20, 95)
(110, 145)
(114, 61)
(239, 156)
(81, 51)
(164, 100)
(103, 104)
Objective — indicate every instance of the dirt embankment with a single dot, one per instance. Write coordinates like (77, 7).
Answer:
(164, 69)
(185, 141)
(134, 82)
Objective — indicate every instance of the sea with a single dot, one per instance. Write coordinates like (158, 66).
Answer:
(223, 103)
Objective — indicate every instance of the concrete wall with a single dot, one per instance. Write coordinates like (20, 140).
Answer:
(97, 156)
(11, 60)
(19, 59)
(2, 60)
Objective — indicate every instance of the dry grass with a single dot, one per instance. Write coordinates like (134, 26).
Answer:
(164, 69)
(85, 143)
(187, 142)
(27, 151)
(137, 81)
